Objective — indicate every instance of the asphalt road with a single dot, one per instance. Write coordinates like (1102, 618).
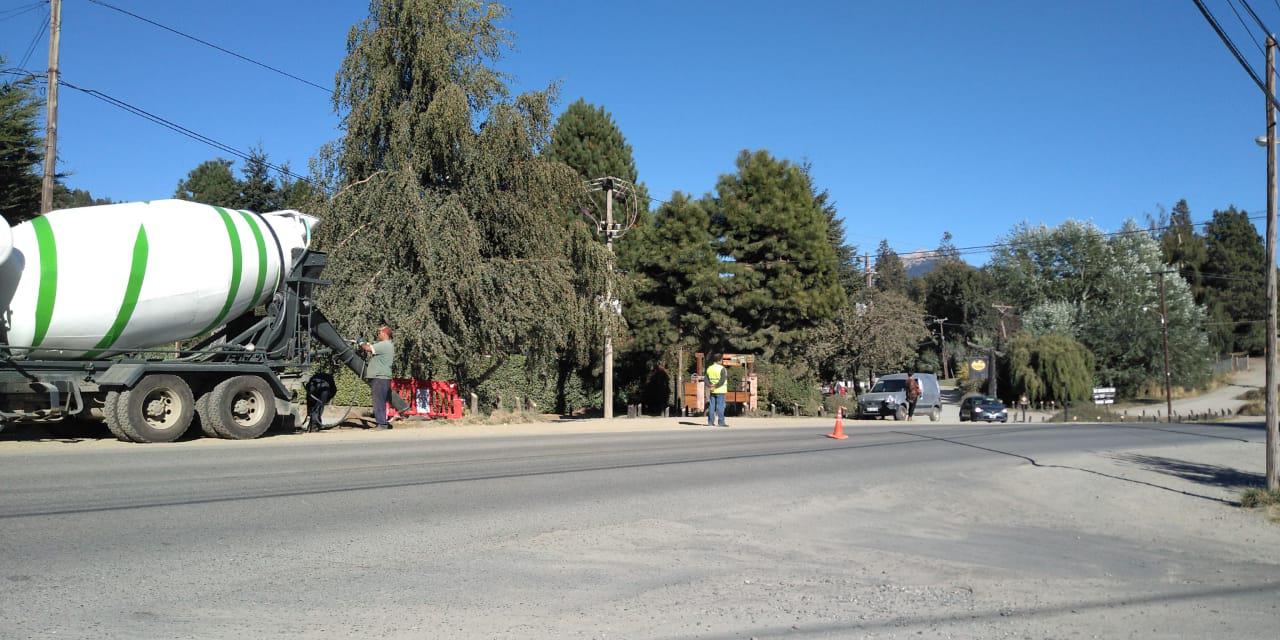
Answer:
(760, 532)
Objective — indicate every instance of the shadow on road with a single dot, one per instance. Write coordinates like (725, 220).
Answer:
(1040, 465)
(1207, 474)
(82, 431)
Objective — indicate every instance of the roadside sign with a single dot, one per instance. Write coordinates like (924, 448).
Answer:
(1104, 395)
(977, 368)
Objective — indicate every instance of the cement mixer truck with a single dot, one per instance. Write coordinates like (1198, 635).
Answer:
(94, 300)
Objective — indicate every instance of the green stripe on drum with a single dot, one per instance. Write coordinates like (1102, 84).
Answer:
(262, 257)
(137, 273)
(237, 265)
(48, 289)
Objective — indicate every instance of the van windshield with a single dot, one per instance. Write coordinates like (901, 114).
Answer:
(889, 386)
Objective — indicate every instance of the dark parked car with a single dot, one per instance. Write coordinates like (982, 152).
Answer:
(975, 408)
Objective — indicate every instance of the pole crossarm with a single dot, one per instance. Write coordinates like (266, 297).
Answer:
(621, 191)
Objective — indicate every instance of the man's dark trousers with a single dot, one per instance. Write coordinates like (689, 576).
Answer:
(381, 388)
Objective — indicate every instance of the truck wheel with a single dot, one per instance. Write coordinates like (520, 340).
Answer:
(110, 416)
(239, 408)
(901, 413)
(936, 414)
(202, 404)
(158, 409)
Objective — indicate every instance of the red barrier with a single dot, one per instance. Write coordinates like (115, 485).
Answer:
(427, 398)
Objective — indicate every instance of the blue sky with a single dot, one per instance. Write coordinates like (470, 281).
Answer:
(919, 116)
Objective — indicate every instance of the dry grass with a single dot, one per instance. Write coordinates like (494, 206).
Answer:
(503, 416)
(1255, 404)
(1154, 391)
(1259, 498)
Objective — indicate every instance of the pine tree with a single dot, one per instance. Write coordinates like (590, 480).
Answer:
(891, 275)
(446, 220)
(296, 193)
(257, 190)
(20, 151)
(848, 270)
(782, 274)
(1235, 279)
(947, 248)
(1183, 248)
(677, 276)
(211, 182)
(587, 139)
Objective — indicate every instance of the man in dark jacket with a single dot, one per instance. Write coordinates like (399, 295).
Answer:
(913, 395)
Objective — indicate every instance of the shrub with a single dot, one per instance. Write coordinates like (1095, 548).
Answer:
(786, 388)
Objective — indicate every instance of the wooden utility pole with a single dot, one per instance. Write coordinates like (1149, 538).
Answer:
(1273, 431)
(51, 120)
(1004, 338)
(612, 188)
(942, 343)
(608, 294)
(680, 382)
(1164, 329)
(866, 267)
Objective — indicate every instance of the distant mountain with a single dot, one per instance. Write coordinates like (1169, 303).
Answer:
(919, 262)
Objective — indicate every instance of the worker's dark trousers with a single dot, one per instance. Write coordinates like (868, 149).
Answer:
(381, 388)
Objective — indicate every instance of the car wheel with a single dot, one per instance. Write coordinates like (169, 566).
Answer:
(936, 414)
(900, 414)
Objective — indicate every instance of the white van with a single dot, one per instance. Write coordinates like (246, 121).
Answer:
(889, 398)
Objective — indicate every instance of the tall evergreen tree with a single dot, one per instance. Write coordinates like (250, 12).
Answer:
(258, 192)
(782, 274)
(891, 275)
(64, 198)
(20, 151)
(1235, 278)
(677, 277)
(960, 293)
(587, 139)
(445, 216)
(848, 271)
(211, 182)
(1183, 248)
(296, 193)
(947, 248)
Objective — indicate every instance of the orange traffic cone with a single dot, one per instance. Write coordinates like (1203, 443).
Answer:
(838, 432)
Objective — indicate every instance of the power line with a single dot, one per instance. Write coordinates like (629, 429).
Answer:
(173, 126)
(31, 48)
(164, 122)
(20, 10)
(1235, 51)
(1248, 7)
(210, 45)
(1247, 30)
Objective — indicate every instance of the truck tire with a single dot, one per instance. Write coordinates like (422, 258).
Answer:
(110, 416)
(239, 408)
(935, 414)
(201, 403)
(157, 409)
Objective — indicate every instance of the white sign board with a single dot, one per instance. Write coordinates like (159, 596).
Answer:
(1104, 395)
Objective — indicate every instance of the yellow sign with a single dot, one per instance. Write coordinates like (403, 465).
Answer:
(978, 365)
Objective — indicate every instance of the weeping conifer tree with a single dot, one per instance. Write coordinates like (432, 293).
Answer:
(445, 220)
